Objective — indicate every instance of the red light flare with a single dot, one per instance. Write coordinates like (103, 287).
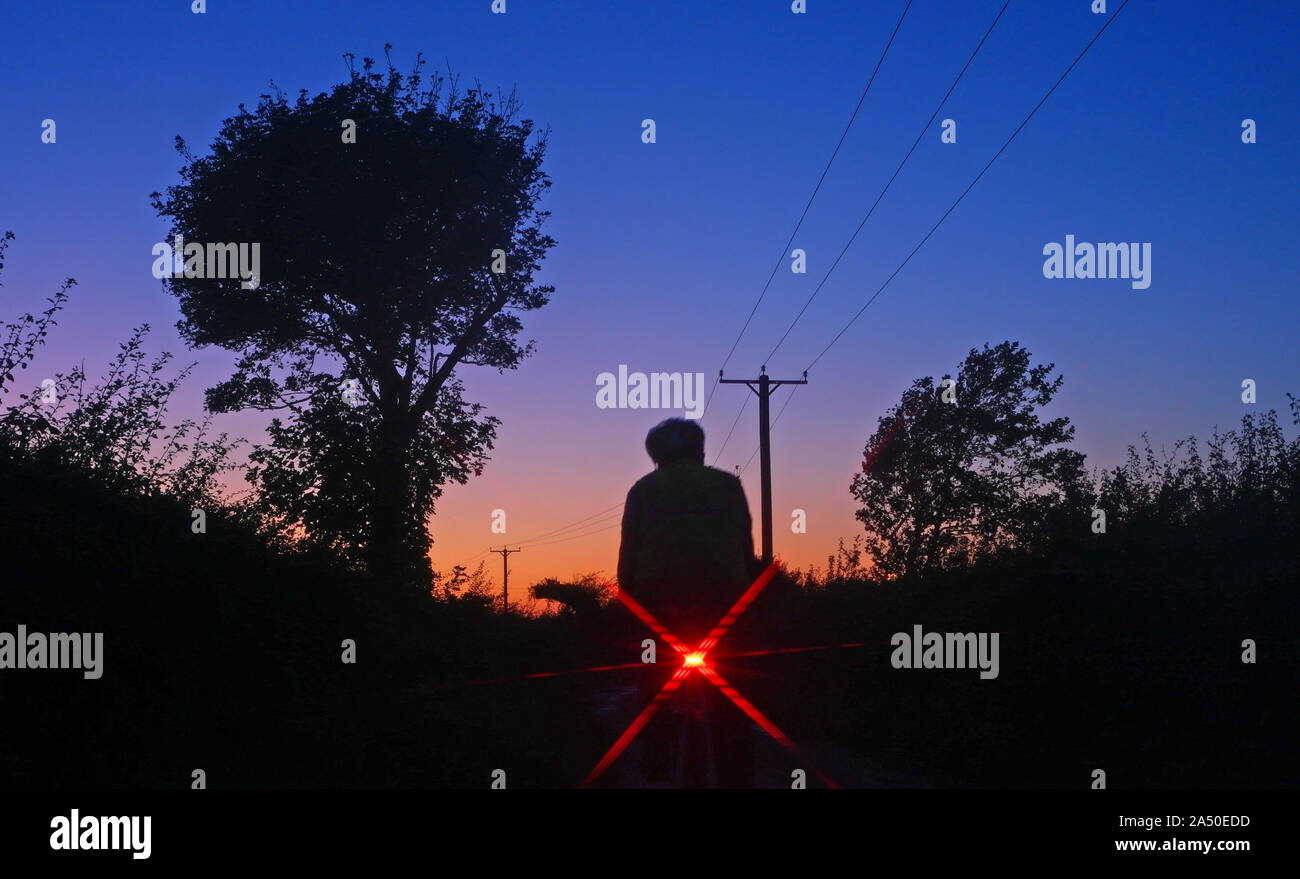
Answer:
(761, 719)
(738, 608)
(648, 618)
(627, 665)
(806, 649)
(637, 725)
(693, 661)
(529, 677)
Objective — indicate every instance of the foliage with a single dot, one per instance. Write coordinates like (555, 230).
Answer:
(20, 339)
(313, 483)
(116, 430)
(1246, 475)
(465, 585)
(944, 484)
(377, 267)
(578, 595)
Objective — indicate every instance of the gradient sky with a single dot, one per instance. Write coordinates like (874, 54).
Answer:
(662, 248)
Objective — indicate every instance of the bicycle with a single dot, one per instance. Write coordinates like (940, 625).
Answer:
(693, 758)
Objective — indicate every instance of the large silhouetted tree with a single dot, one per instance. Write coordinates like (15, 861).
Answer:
(378, 207)
(949, 477)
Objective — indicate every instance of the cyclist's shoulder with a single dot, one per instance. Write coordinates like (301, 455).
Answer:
(642, 484)
(640, 494)
(720, 477)
(682, 476)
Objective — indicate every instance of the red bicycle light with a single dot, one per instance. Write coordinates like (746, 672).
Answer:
(693, 660)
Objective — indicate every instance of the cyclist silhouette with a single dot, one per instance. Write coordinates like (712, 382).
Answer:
(687, 554)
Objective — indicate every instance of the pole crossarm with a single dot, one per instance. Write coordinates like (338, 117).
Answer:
(764, 391)
(505, 552)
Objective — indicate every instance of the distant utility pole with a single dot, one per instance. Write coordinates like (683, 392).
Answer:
(505, 577)
(764, 391)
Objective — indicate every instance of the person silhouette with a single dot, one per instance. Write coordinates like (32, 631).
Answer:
(687, 555)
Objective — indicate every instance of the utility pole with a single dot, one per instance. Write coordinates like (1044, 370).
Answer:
(505, 576)
(764, 391)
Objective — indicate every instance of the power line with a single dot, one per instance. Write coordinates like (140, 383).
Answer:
(960, 198)
(609, 527)
(585, 522)
(505, 552)
(946, 213)
(610, 512)
(949, 211)
(937, 110)
(575, 524)
(562, 536)
(602, 520)
(763, 387)
(779, 413)
(775, 268)
(718, 454)
(781, 257)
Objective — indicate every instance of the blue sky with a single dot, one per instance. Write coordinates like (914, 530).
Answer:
(662, 248)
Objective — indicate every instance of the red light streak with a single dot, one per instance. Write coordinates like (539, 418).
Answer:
(637, 725)
(693, 661)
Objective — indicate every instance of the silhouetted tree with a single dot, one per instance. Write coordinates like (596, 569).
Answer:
(465, 585)
(377, 266)
(944, 483)
(1249, 480)
(848, 563)
(580, 595)
(116, 429)
(20, 339)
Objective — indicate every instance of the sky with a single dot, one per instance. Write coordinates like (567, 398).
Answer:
(663, 248)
